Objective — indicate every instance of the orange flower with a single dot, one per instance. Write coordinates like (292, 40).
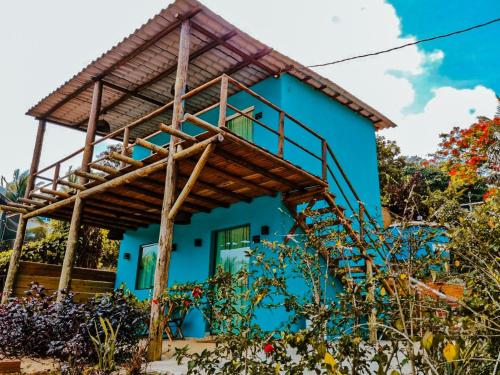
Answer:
(489, 193)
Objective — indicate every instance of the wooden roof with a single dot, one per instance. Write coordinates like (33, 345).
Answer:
(138, 73)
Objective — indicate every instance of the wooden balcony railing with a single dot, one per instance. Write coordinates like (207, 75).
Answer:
(330, 168)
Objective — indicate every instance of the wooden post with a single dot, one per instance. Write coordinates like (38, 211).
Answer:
(191, 181)
(91, 128)
(21, 226)
(370, 293)
(281, 136)
(324, 164)
(69, 256)
(156, 324)
(223, 101)
(76, 218)
(55, 179)
(126, 139)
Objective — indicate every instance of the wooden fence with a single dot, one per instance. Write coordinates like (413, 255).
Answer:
(85, 282)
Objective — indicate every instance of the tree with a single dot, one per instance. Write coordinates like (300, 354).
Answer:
(471, 155)
(11, 191)
(406, 182)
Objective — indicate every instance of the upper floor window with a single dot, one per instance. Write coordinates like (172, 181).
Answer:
(241, 125)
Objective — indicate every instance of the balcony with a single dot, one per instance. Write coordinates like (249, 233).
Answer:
(123, 189)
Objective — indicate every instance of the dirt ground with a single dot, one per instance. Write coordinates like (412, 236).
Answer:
(37, 366)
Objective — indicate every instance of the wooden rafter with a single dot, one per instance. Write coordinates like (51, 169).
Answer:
(209, 46)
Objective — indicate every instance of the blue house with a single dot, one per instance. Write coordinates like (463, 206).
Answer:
(222, 143)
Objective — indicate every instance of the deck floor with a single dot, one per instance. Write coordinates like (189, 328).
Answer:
(235, 172)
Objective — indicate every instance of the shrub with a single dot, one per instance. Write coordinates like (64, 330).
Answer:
(36, 325)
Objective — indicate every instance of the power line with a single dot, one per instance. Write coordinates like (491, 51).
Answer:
(407, 44)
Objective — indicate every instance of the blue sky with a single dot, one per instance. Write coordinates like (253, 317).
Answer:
(471, 58)
(426, 89)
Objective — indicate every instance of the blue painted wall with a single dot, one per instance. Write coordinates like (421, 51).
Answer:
(352, 138)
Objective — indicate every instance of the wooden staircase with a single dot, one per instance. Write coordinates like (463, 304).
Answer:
(324, 222)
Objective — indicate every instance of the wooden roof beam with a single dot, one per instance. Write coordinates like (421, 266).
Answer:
(132, 93)
(164, 74)
(247, 58)
(247, 61)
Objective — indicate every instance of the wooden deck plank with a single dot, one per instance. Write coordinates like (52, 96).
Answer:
(224, 181)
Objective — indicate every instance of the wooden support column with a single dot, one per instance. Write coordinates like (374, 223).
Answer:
(125, 144)
(191, 181)
(76, 218)
(91, 128)
(69, 255)
(281, 136)
(156, 324)
(370, 283)
(21, 226)
(224, 83)
(324, 164)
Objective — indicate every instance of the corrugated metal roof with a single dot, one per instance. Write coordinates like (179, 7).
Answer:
(139, 71)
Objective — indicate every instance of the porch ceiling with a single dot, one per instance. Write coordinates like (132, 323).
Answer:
(138, 73)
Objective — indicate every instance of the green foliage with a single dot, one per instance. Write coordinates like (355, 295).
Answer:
(37, 325)
(16, 188)
(95, 249)
(455, 336)
(105, 347)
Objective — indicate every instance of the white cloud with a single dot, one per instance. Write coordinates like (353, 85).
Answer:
(329, 30)
(418, 132)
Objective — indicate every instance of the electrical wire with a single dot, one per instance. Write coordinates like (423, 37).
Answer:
(407, 44)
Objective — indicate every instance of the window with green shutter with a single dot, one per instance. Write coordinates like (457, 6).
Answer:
(241, 125)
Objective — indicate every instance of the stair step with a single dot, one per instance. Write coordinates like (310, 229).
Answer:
(353, 270)
(324, 224)
(303, 196)
(319, 211)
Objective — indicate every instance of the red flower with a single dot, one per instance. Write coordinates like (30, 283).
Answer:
(489, 193)
(426, 163)
(197, 292)
(187, 303)
(155, 301)
(453, 172)
(269, 348)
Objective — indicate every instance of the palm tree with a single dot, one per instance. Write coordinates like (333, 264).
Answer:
(11, 192)
(16, 188)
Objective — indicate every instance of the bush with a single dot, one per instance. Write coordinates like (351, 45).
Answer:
(38, 326)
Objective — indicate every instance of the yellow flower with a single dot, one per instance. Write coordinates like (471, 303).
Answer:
(277, 368)
(402, 276)
(457, 263)
(450, 352)
(427, 340)
(330, 361)
(382, 291)
(399, 325)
